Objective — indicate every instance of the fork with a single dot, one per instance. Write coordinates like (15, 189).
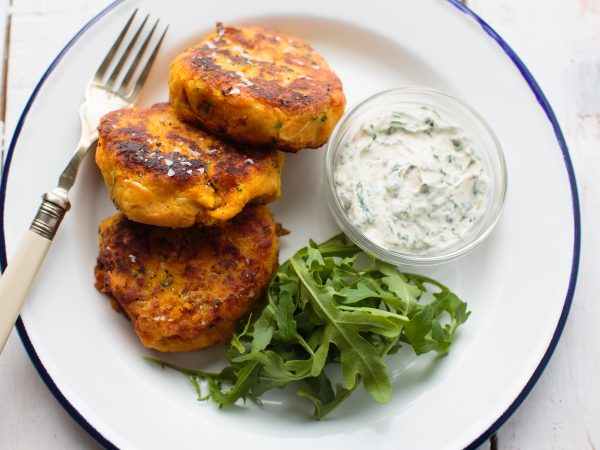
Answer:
(103, 94)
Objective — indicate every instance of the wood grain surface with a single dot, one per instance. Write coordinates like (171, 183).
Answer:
(559, 40)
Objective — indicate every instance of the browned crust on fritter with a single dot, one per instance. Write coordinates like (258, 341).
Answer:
(162, 171)
(258, 86)
(185, 289)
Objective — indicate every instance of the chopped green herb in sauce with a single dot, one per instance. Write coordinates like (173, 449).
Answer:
(412, 180)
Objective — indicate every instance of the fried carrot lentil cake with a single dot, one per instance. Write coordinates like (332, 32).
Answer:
(185, 289)
(162, 171)
(257, 86)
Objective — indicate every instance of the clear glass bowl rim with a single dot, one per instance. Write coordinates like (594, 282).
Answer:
(491, 216)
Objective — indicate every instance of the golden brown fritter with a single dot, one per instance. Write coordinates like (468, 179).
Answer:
(185, 289)
(257, 86)
(162, 171)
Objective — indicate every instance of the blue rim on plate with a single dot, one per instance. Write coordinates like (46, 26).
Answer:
(542, 100)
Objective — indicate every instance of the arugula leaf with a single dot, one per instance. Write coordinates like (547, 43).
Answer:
(332, 305)
(323, 396)
(235, 340)
(343, 330)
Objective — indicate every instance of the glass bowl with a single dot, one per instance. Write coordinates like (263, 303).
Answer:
(484, 142)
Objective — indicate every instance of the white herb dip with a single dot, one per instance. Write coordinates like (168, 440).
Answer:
(411, 181)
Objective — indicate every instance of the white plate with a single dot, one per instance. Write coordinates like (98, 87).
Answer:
(518, 284)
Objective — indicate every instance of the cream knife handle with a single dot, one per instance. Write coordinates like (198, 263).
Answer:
(17, 278)
(27, 259)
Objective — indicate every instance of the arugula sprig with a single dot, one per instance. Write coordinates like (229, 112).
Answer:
(332, 304)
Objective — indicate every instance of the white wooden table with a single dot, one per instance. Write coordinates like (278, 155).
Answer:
(559, 40)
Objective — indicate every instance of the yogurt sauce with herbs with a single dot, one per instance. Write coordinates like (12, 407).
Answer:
(411, 181)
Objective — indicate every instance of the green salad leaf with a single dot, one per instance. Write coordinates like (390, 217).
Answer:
(332, 305)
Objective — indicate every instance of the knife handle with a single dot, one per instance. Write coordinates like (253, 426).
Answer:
(25, 262)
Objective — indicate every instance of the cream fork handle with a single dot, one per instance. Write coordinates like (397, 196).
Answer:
(18, 277)
(26, 261)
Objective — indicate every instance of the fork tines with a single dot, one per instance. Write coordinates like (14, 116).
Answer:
(129, 86)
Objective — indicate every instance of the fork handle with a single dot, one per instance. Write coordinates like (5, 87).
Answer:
(27, 259)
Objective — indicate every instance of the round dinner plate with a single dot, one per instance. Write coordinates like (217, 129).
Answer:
(518, 284)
